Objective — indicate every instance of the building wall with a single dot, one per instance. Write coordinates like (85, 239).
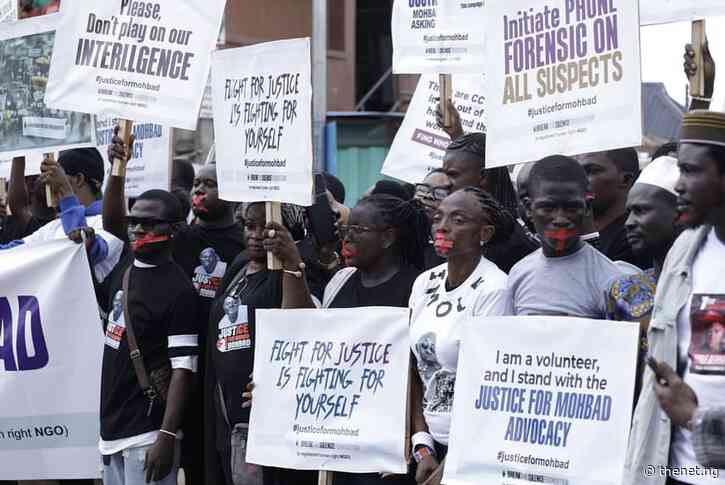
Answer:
(251, 22)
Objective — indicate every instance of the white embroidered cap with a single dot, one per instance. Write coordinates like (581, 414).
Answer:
(662, 172)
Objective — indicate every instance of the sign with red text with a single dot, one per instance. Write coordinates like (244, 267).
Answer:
(262, 112)
(420, 143)
(542, 409)
(563, 77)
(666, 11)
(330, 389)
(138, 60)
(434, 36)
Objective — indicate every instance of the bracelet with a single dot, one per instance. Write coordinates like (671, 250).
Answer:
(591, 235)
(296, 274)
(422, 452)
(421, 438)
(168, 433)
(700, 98)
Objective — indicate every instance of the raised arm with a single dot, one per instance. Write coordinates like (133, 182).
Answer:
(114, 199)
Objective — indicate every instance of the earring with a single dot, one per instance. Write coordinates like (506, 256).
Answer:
(483, 243)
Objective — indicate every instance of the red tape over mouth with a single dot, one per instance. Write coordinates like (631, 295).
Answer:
(197, 202)
(146, 240)
(561, 236)
(442, 244)
(347, 252)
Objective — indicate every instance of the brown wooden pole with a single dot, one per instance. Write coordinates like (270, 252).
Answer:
(125, 131)
(274, 214)
(697, 82)
(446, 92)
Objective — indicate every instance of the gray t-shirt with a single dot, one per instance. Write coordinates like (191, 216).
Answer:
(574, 285)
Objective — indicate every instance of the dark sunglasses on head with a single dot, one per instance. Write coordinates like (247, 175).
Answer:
(438, 193)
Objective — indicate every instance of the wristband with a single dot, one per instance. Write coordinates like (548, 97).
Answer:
(422, 438)
(695, 421)
(701, 98)
(332, 264)
(591, 235)
(168, 433)
(421, 453)
(296, 274)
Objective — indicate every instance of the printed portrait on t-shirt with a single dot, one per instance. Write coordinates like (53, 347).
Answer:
(707, 343)
(427, 362)
(233, 327)
(208, 275)
(439, 392)
(116, 322)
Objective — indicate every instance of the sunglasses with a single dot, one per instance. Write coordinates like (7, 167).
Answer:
(437, 193)
(146, 222)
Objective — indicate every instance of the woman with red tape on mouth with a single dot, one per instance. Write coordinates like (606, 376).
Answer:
(383, 245)
(466, 285)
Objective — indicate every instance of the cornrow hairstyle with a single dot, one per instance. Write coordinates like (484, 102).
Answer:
(502, 220)
(499, 181)
(409, 218)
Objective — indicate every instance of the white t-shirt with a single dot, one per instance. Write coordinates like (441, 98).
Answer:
(436, 318)
(701, 348)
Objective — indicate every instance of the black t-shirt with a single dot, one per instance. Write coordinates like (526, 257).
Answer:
(162, 305)
(613, 244)
(395, 292)
(231, 339)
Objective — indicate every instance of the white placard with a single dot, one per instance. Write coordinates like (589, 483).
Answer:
(27, 125)
(149, 166)
(667, 11)
(50, 363)
(438, 36)
(419, 145)
(330, 389)
(561, 79)
(544, 410)
(134, 60)
(263, 122)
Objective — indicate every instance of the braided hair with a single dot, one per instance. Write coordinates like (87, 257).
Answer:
(409, 218)
(499, 181)
(502, 220)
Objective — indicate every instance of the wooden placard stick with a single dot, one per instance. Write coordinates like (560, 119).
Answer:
(274, 214)
(50, 199)
(697, 82)
(124, 132)
(446, 92)
(325, 478)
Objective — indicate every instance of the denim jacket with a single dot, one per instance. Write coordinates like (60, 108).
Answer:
(649, 439)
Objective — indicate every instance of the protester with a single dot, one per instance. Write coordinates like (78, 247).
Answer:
(215, 232)
(522, 173)
(565, 276)
(611, 174)
(140, 419)
(464, 165)
(688, 304)
(391, 187)
(383, 247)
(247, 285)
(25, 206)
(435, 187)
(76, 179)
(651, 230)
(336, 196)
(466, 285)
(182, 181)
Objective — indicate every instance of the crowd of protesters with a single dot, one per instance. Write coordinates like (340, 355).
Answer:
(590, 236)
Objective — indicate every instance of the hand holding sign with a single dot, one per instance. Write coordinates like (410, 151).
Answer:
(53, 175)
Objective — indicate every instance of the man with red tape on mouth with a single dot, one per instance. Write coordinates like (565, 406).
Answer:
(565, 276)
(215, 229)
